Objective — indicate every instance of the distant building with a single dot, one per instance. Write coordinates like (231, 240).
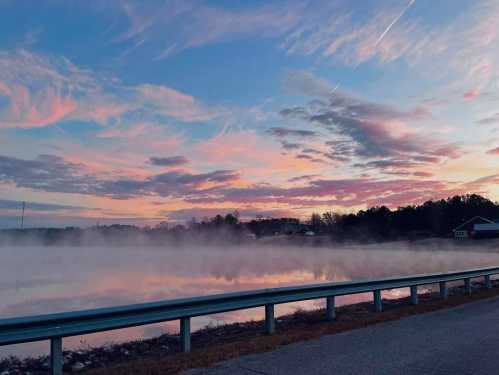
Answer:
(251, 236)
(487, 230)
(476, 227)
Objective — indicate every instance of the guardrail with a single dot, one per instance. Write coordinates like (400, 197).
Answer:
(55, 327)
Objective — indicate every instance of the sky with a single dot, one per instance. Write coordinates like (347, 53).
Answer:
(147, 111)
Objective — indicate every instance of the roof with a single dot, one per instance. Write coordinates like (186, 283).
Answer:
(471, 220)
(485, 227)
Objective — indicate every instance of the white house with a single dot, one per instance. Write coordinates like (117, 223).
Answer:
(467, 229)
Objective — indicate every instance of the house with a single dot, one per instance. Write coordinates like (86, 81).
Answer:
(487, 230)
(251, 236)
(467, 229)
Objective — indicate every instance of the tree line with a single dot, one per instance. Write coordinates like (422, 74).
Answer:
(434, 218)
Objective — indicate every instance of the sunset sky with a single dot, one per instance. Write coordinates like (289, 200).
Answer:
(144, 111)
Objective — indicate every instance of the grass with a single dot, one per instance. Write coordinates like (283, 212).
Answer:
(214, 345)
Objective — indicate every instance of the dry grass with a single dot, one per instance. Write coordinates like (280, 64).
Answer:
(236, 340)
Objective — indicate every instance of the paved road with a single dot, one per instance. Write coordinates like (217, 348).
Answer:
(462, 340)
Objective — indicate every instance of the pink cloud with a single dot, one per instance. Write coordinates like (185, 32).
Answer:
(471, 94)
(494, 151)
(346, 193)
(451, 151)
(43, 90)
(173, 103)
(100, 110)
(256, 156)
(52, 108)
(27, 110)
(373, 129)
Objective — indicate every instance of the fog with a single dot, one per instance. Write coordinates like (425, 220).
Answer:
(41, 279)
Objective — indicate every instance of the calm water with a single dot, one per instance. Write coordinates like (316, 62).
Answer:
(36, 280)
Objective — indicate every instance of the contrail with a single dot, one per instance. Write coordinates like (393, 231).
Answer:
(334, 89)
(394, 22)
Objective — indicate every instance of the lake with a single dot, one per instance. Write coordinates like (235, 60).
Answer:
(39, 280)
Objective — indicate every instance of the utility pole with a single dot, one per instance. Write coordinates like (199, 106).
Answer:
(22, 215)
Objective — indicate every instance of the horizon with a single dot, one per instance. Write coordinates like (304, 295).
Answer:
(81, 223)
(134, 112)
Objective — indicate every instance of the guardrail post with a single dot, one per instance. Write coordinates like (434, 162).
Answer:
(467, 286)
(414, 295)
(330, 311)
(185, 335)
(269, 319)
(488, 282)
(443, 290)
(56, 360)
(378, 306)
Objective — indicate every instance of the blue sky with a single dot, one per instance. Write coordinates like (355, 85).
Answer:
(275, 107)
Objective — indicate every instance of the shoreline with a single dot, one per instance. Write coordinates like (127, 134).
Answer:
(214, 344)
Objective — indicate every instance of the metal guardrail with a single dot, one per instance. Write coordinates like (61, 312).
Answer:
(55, 327)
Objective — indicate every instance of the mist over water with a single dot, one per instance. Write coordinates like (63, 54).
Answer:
(39, 280)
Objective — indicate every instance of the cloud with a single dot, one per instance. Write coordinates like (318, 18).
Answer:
(169, 102)
(491, 119)
(304, 82)
(471, 94)
(177, 26)
(462, 46)
(387, 163)
(46, 173)
(171, 161)
(462, 39)
(236, 150)
(346, 193)
(182, 178)
(340, 150)
(494, 151)
(44, 90)
(365, 129)
(51, 173)
(307, 177)
(422, 174)
(39, 91)
(463, 42)
(304, 156)
(355, 34)
(290, 146)
(399, 167)
(479, 183)
(285, 132)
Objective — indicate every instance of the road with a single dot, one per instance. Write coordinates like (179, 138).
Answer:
(462, 340)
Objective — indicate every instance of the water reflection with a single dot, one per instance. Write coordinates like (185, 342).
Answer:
(36, 280)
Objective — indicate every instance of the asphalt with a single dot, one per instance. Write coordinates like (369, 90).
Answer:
(462, 340)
